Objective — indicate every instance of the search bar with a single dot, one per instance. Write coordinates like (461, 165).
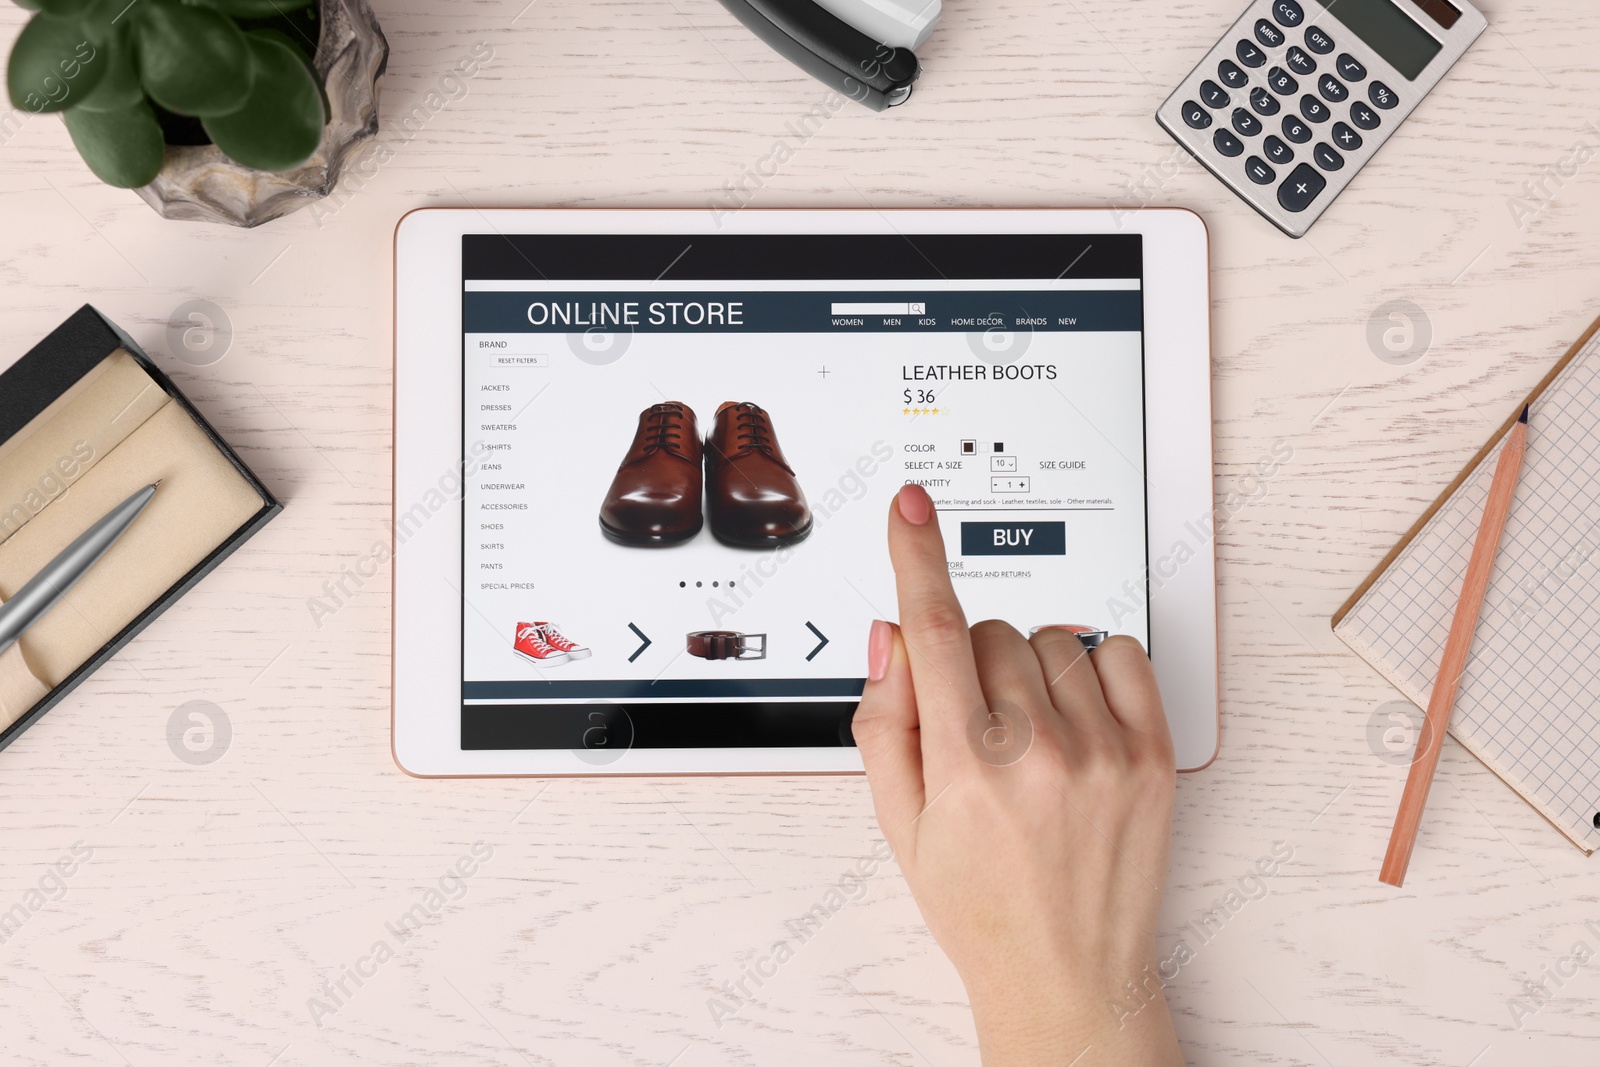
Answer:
(880, 309)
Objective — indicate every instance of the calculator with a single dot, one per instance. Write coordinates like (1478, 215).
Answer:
(1298, 95)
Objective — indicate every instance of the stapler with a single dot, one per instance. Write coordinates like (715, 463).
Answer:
(831, 50)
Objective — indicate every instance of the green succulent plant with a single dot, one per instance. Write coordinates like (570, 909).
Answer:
(132, 76)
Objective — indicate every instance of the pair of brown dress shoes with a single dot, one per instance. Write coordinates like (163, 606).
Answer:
(751, 494)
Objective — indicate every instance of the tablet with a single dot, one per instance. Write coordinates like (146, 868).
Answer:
(643, 461)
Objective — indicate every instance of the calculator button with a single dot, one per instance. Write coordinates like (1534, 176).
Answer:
(1196, 116)
(1294, 129)
(1314, 110)
(1259, 172)
(1249, 54)
(1268, 34)
(1364, 116)
(1345, 137)
(1299, 62)
(1282, 81)
(1301, 187)
(1213, 94)
(1327, 158)
(1351, 67)
(1317, 41)
(1247, 124)
(1264, 102)
(1231, 75)
(1227, 143)
(1288, 13)
(1382, 95)
(1277, 151)
(1332, 89)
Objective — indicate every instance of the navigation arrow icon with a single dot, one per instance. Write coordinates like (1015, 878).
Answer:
(821, 645)
(640, 650)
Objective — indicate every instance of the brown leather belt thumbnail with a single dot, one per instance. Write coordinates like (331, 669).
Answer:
(727, 644)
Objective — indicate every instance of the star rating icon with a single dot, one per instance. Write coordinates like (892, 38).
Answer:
(919, 411)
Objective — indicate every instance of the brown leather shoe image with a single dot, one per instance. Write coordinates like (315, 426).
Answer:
(654, 499)
(752, 496)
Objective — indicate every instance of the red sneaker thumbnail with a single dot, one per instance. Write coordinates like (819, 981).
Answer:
(531, 644)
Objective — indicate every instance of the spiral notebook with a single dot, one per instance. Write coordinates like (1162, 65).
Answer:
(1529, 702)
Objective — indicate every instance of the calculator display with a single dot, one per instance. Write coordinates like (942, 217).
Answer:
(1388, 31)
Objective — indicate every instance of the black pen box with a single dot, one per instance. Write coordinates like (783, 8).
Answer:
(86, 420)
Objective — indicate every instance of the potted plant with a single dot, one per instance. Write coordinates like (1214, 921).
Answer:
(234, 111)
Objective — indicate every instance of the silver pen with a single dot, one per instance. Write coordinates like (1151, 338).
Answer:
(63, 572)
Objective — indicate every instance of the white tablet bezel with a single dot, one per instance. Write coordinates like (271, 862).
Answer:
(426, 668)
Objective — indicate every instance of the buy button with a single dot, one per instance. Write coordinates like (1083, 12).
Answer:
(1013, 539)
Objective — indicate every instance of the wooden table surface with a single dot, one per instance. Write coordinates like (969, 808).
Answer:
(221, 912)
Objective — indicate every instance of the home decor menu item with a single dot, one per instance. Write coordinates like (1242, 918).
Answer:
(86, 421)
(654, 499)
(831, 50)
(1298, 95)
(1526, 704)
(772, 382)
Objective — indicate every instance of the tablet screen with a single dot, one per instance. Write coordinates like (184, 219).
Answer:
(680, 452)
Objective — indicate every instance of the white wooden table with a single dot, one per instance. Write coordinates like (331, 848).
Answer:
(223, 904)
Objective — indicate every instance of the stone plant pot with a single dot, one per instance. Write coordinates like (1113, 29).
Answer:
(199, 183)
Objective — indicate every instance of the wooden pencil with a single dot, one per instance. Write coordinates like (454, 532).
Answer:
(1456, 649)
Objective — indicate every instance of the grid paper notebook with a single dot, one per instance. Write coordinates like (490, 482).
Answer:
(1529, 701)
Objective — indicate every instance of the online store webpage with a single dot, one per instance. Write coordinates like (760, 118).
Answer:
(677, 483)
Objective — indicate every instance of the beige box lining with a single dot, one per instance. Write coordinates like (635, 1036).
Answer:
(114, 432)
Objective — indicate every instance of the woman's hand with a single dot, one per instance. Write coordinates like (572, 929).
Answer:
(1026, 788)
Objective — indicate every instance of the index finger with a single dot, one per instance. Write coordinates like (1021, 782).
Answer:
(934, 628)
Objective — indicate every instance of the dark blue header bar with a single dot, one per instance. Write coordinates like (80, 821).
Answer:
(804, 312)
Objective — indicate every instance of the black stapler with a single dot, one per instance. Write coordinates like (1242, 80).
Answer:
(831, 50)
